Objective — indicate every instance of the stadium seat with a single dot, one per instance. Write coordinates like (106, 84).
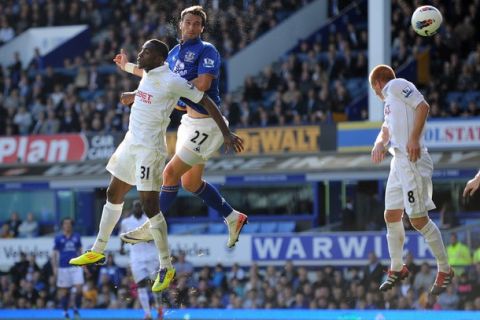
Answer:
(268, 227)
(189, 228)
(216, 228)
(288, 226)
(252, 227)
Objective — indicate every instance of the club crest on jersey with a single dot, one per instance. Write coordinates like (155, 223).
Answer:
(208, 63)
(407, 91)
(189, 56)
(190, 85)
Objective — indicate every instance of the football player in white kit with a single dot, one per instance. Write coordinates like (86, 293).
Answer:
(409, 185)
(140, 158)
(143, 261)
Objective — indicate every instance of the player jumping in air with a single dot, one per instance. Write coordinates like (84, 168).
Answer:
(139, 160)
(198, 137)
(409, 185)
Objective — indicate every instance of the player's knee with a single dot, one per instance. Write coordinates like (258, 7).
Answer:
(169, 176)
(391, 216)
(419, 223)
(191, 185)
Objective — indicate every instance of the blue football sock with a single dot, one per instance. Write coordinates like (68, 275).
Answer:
(210, 195)
(167, 196)
(64, 302)
(78, 301)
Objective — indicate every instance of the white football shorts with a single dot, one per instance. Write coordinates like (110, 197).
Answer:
(198, 139)
(409, 185)
(146, 269)
(137, 165)
(69, 277)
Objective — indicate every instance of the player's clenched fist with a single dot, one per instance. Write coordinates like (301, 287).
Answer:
(472, 186)
(233, 142)
(127, 98)
(378, 152)
(121, 59)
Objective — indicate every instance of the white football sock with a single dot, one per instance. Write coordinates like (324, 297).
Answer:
(144, 300)
(158, 228)
(395, 240)
(433, 237)
(110, 215)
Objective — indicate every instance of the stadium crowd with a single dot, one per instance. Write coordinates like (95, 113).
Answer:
(30, 286)
(317, 82)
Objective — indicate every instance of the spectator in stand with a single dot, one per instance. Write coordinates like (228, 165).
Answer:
(6, 233)
(29, 227)
(14, 222)
(373, 272)
(424, 278)
(459, 256)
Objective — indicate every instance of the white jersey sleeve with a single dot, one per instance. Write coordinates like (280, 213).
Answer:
(123, 227)
(406, 92)
(183, 88)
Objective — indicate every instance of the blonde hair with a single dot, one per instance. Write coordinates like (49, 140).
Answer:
(382, 73)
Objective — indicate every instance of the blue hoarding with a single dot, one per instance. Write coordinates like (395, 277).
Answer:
(334, 248)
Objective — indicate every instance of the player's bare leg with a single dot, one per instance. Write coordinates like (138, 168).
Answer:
(433, 237)
(158, 229)
(112, 211)
(395, 239)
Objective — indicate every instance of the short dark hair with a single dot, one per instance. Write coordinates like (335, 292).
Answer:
(197, 11)
(160, 47)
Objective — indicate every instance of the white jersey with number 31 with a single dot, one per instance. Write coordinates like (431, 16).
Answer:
(156, 96)
(401, 100)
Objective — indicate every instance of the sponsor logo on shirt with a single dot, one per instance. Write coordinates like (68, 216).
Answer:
(407, 91)
(144, 97)
(208, 63)
(189, 56)
(179, 65)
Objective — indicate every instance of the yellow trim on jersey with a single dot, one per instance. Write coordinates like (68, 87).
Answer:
(359, 125)
(354, 149)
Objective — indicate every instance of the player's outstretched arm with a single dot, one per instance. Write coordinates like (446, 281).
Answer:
(231, 140)
(121, 61)
(379, 149)
(413, 145)
(472, 185)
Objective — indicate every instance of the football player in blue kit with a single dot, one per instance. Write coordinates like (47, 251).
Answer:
(67, 246)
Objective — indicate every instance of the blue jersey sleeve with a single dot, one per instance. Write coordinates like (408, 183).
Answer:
(209, 62)
(56, 243)
(79, 243)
